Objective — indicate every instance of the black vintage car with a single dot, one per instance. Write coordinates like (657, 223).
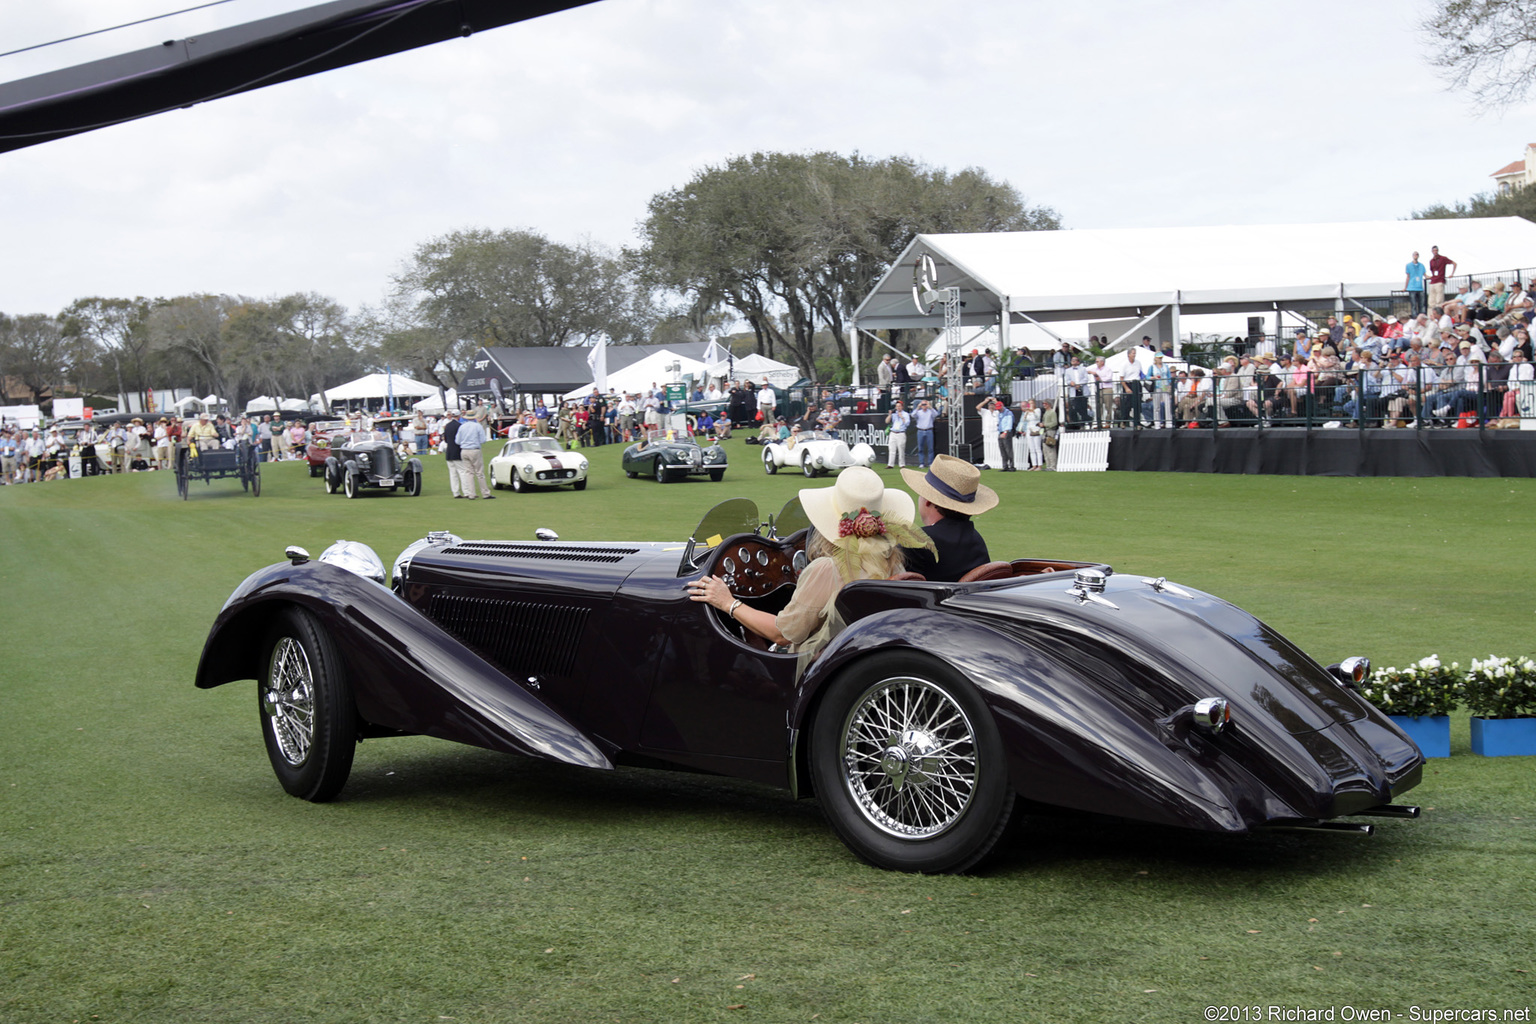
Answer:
(367, 459)
(666, 461)
(940, 712)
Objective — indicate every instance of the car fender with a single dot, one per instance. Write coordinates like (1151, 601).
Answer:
(407, 673)
(1067, 743)
(414, 465)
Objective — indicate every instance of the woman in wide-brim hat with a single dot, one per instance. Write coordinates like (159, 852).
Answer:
(858, 528)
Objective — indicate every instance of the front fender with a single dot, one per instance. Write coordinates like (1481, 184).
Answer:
(1068, 743)
(407, 673)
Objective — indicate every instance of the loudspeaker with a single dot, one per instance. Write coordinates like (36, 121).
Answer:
(1255, 327)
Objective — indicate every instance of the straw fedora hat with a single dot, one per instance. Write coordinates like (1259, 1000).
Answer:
(953, 484)
(857, 489)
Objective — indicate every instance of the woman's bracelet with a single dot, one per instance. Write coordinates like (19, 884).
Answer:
(731, 611)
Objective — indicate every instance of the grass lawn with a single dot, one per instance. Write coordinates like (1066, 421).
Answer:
(151, 869)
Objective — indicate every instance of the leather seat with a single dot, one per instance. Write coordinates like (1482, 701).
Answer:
(989, 571)
(916, 577)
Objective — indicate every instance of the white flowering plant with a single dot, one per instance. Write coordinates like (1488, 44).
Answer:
(1502, 687)
(1423, 688)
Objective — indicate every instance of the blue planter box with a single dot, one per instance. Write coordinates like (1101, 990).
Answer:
(1503, 737)
(1431, 732)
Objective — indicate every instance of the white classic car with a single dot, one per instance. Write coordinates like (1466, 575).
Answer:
(815, 451)
(537, 462)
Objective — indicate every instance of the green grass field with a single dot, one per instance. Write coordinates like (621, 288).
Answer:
(152, 870)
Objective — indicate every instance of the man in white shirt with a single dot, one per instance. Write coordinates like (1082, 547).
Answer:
(1128, 379)
(1105, 378)
(767, 401)
(1076, 382)
(896, 443)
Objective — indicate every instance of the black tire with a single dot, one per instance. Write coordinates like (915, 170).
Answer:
(315, 470)
(332, 479)
(256, 484)
(517, 483)
(659, 470)
(631, 474)
(902, 793)
(717, 475)
(308, 719)
(769, 466)
(805, 465)
(579, 485)
(352, 483)
(182, 455)
(412, 483)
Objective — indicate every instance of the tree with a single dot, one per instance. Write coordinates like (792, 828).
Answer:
(1487, 47)
(114, 328)
(514, 288)
(1520, 202)
(295, 345)
(792, 242)
(192, 327)
(33, 350)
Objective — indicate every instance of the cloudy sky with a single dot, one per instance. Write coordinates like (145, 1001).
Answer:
(1119, 113)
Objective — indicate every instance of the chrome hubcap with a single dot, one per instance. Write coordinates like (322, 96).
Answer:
(909, 758)
(288, 700)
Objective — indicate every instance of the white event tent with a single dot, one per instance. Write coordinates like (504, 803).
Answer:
(755, 367)
(379, 385)
(434, 406)
(1155, 275)
(640, 375)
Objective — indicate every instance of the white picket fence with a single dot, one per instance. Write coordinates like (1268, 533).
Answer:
(1082, 451)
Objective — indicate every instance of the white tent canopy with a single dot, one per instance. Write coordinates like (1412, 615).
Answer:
(261, 403)
(756, 366)
(379, 385)
(640, 375)
(294, 405)
(434, 406)
(1132, 272)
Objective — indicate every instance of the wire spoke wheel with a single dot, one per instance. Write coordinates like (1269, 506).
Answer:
(288, 701)
(308, 718)
(908, 765)
(909, 758)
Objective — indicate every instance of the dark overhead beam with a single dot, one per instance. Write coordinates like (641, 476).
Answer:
(182, 72)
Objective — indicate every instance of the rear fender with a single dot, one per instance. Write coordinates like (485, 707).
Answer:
(407, 673)
(1069, 744)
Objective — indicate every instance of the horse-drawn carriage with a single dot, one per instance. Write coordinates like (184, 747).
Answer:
(209, 463)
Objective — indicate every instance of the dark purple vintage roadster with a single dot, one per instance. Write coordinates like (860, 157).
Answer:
(940, 712)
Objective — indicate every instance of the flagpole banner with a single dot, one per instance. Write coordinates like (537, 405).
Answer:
(597, 359)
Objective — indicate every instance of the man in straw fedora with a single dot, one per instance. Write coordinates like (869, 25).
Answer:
(949, 494)
(860, 530)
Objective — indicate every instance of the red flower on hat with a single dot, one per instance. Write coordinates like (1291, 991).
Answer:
(863, 523)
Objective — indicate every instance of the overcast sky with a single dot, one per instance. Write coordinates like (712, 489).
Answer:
(1119, 113)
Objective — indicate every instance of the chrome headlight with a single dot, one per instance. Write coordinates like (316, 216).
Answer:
(436, 538)
(1212, 714)
(355, 557)
(1352, 672)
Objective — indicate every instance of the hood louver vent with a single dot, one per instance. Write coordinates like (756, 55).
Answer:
(520, 636)
(553, 552)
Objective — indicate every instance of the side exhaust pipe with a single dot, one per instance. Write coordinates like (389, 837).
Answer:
(1390, 811)
(1350, 827)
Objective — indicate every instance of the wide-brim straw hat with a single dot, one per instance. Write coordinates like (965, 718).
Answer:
(953, 484)
(857, 488)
